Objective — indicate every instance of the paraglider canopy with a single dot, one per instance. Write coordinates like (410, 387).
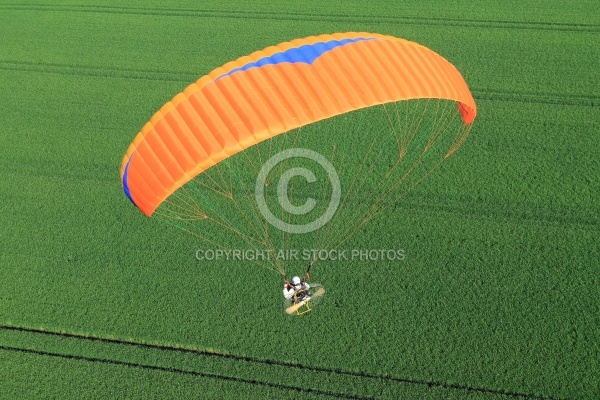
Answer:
(275, 90)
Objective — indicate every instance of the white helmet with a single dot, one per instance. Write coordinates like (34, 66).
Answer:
(295, 281)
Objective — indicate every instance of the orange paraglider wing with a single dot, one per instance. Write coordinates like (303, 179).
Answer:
(273, 91)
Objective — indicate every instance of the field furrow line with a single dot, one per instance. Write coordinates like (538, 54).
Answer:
(258, 361)
(304, 16)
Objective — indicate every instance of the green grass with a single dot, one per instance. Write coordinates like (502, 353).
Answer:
(497, 297)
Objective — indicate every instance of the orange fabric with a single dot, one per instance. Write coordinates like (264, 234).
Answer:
(222, 114)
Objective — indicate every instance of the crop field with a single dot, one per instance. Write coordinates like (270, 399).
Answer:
(496, 294)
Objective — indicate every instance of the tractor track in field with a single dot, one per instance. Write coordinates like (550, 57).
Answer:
(185, 372)
(536, 97)
(97, 72)
(252, 360)
(304, 16)
(188, 77)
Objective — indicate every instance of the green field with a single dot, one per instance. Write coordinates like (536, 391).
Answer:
(497, 297)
